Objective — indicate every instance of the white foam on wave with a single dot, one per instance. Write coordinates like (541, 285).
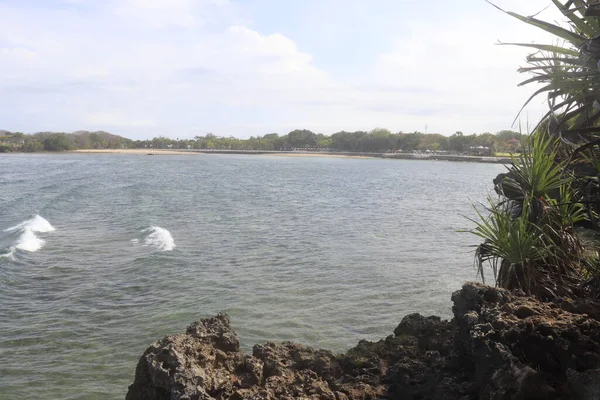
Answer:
(28, 240)
(10, 255)
(159, 238)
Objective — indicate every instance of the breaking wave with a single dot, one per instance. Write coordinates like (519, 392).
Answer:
(28, 239)
(159, 238)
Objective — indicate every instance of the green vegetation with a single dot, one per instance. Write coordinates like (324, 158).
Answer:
(537, 236)
(376, 141)
(530, 237)
(55, 141)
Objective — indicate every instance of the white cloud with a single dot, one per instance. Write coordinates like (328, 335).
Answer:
(116, 119)
(17, 52)
(467, 79)
(271, 54)
(176, 13)
(159, 13)
(184, 67)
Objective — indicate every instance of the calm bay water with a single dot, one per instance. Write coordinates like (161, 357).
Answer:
(102, 254)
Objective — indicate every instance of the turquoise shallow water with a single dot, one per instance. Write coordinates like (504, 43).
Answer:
(102, 254)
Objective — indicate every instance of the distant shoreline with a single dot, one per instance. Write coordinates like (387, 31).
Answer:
(132, 151)
(398, 156)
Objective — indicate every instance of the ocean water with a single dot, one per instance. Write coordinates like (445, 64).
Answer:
(102, 254)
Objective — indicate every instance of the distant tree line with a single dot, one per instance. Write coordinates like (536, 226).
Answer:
(58, 141)
(376, 141)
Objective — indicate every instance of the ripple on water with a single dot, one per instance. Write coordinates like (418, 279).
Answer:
(320, 251)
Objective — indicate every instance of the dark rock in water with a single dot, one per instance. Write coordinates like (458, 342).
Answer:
(505, 185)
(499, 345)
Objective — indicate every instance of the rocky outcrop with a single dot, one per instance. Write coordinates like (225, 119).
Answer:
(500, 345)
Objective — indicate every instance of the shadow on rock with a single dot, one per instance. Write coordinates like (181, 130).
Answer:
(499, 345)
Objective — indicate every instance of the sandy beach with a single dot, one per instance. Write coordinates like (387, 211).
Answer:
(134, 151)
(172, 152)
(315, 155)
(398, 156)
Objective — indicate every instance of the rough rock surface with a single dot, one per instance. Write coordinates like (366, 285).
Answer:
(500, 345)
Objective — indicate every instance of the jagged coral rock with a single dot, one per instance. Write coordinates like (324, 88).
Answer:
(500, 345)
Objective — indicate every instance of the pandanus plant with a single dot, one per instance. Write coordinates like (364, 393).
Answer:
(535, 249)
(555, 184)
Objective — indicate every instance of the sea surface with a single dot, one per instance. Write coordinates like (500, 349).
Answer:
(102, 254)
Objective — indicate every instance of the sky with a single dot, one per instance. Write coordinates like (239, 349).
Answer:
(182, 68)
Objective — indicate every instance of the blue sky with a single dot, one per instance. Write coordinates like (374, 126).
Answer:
(180, 68)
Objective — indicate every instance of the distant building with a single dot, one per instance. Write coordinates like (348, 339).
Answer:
(513, 144)
(480, 151)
